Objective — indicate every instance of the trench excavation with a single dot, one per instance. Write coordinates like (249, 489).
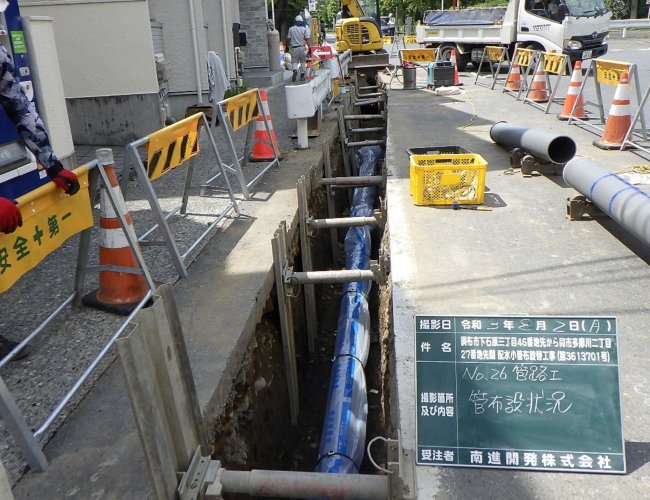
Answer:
(255, 429)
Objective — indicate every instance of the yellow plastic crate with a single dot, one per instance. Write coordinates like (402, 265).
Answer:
(441, 179)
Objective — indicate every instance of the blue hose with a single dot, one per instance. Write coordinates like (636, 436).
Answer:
(344, 429)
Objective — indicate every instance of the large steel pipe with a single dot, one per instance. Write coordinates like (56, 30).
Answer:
(273, 483)
(622, 201)
(541, 144)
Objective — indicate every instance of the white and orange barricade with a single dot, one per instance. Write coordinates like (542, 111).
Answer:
(523, 63)
(619, 119)
(265, 146)
(454, 62)
(573, 101)
(168, 149)
(542, 92)
(497, 57)
(242, 112)
(122, 283)
(600, 75)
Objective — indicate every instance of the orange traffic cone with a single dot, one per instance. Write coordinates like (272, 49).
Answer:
(538, 87)
(514, 78)
(572, 95)
(619, 119)
(263, 146)
(452, 59)
(118, 292)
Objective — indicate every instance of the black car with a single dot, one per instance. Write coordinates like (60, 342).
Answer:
(387, 29)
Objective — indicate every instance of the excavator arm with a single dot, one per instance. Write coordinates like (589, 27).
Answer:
(353, 8)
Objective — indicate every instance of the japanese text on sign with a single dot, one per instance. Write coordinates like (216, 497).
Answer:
(418, 55)
(514, 392)
(49, 218)
(609, 72)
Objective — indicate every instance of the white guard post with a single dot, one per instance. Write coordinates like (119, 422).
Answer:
(303, 101)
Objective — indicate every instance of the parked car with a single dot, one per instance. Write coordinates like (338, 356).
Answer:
(387, 29)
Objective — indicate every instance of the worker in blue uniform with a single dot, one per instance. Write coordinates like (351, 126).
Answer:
(29, 125)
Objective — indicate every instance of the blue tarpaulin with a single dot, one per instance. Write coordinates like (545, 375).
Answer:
(464, 17)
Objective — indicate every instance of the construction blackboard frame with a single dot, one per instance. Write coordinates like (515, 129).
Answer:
(469, 369)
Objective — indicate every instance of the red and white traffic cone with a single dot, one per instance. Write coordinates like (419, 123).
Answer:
(619, 120)
(572, 96)
(118, 292)
(452, 59)
(514, 78)
(539, 87)
(263, 146)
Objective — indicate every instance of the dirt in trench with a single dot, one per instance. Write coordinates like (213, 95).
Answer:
(255, 431)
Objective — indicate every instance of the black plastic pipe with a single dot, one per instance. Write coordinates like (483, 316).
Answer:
(540, 144)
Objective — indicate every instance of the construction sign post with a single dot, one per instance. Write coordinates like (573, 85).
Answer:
(235, 113)
(50, 217)
(168, 149)
(495, 55)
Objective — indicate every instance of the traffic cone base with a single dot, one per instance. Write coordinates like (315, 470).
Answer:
(118, 292)
(619, 120)
(263, 146)
(514, 78)
(572, 95)
(539, 88)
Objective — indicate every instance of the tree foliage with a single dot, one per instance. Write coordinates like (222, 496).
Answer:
(620, 8)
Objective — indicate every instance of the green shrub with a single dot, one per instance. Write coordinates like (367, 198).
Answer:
(620, 8)
(237, 89)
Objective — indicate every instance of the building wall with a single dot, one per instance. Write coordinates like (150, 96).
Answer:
(253, 22)
(107, 67)
(219, 26)
(179, 55)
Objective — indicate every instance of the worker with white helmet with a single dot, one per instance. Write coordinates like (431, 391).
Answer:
(298, 42)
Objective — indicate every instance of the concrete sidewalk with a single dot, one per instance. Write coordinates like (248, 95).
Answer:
(523, 257)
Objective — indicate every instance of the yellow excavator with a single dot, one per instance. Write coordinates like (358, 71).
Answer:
(357, 31)
(362, 35)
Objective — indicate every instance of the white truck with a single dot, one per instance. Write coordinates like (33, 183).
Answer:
(579, 30)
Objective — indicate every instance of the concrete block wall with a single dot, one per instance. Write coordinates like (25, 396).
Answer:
(253, 22)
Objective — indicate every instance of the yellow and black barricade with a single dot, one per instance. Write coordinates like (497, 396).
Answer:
(420, 57)
(166, 150)
(555, 64)
(605, 72)
(51, 217)
(525, 60)
(493, 55)
(235, 113)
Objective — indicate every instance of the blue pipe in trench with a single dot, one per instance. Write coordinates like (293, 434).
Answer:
(344, 428)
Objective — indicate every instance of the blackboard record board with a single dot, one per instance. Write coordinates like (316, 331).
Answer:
(519, 392)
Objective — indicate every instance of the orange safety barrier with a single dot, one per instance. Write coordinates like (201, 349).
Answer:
(573, 95)
(619, 119)
(513, 81)
(263, 145)
(539, 87)
(452, 58)
(118, 292)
